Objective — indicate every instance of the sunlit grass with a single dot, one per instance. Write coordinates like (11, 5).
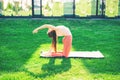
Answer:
(20, 50)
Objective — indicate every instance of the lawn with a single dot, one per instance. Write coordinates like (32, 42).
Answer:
(20, 50)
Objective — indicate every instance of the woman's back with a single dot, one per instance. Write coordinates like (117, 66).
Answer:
(62, 31)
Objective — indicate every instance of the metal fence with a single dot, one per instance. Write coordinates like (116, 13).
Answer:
(60, 8)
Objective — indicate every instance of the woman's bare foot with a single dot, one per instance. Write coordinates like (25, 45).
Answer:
(58, 54)
(52, 54)
(46, 54)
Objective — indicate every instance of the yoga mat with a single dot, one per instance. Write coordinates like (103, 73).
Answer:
(81, 54)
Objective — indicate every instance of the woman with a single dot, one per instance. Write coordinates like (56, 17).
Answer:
(54, 32)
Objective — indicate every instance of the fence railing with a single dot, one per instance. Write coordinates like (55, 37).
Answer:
(60, 8)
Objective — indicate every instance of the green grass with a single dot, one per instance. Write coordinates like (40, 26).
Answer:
(20, 49)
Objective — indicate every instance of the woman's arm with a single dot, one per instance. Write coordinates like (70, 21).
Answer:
(51, 50)
(44, 26)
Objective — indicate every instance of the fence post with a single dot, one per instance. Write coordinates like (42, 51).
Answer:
(41, 7)
(32, 8)
(97, 8)
(103, 7)
(74, 8)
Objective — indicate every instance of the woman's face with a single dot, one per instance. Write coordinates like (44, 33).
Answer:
(51, 33)
(49, 30)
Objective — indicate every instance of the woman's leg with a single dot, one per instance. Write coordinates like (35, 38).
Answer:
(57, 54)
(67, 44)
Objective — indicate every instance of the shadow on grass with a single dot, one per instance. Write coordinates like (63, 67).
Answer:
(15, 54)
(102, 38)
(17, 43)
(51, 69)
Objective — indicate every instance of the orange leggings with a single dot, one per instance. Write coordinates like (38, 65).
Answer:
(67, 44)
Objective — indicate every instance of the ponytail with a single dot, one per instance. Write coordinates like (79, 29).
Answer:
(52, 34)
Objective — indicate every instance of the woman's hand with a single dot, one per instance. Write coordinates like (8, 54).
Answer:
(35, 31)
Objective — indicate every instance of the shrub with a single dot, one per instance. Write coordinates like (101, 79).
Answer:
(9, 6)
